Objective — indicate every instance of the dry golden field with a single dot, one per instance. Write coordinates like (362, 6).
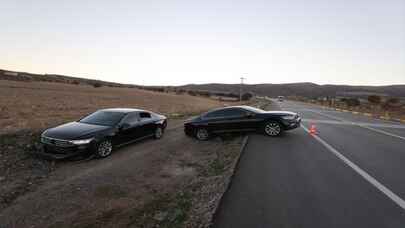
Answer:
(38, 105)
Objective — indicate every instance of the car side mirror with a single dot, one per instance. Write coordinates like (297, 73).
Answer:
(124, 126)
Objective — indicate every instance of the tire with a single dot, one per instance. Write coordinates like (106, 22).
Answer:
(202, 134)
(158, 132)
(272, 128)
(104, 148)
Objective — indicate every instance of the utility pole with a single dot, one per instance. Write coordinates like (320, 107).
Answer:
(240, 88)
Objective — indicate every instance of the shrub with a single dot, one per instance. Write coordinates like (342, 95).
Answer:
(75, 82)
(97, 85)
(180, 91)
(391, 103)
(247, 96)
(352, 102)
(393, 100)
(234, 95)
(374, 99)
(204, 93)
(192, 93)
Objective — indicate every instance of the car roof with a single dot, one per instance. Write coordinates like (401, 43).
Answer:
(229, 107)
(123, 110)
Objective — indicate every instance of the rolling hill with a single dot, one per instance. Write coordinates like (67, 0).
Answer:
(307, 89)
(311, 90)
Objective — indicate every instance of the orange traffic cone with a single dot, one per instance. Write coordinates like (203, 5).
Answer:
(312, 129)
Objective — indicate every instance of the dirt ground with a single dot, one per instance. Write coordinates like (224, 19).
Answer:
(39, 105)
(172, 182)
(176, 181)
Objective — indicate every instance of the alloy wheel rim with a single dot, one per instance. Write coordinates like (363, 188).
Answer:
(105, 148)
(202, 134)
(272, 129)
(158, 132)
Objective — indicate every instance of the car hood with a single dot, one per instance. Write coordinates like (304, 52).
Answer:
(280, 113)
(192, 119)
(74, 130)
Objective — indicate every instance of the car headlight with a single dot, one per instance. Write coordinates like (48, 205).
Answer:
(81, 141)
(289, 117)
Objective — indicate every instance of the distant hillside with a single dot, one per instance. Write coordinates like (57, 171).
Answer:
(23, 76)
(302, 89)
(310, 90)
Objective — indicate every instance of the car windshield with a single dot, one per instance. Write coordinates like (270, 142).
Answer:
(253, 109)
(104, 118)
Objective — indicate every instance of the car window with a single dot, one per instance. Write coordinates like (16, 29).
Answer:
(145, 115)
(229, 112)
(214, 114)
(235, 112)
(104, 118)
(131, 118)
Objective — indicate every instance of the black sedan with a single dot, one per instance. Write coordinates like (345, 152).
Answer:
(241, 118)
(101, 132)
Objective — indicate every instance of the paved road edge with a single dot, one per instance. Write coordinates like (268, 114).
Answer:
(229, 184)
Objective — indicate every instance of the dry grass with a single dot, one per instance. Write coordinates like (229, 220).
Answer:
(38, 105)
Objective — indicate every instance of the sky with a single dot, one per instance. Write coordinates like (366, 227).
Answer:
(360, 42)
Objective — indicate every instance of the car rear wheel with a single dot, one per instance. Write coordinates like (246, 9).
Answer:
(272, 128)
(202, 134)
(158, 133)
(104, 148)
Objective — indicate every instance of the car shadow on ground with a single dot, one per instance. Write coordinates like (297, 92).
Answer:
(223, 137)
(228, 136)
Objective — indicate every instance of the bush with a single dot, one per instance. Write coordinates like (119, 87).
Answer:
(159, 89)
(352, 102)
(75, 82)
(204, 93)
(192, 93)
(180, 91)
(247, 96)
(97, 85)
(374, 99)
(391, 103)
(393, 100)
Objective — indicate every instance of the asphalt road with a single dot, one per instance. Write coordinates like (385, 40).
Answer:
(350, 174)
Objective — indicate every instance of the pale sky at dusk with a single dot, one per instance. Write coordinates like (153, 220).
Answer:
(211, 41)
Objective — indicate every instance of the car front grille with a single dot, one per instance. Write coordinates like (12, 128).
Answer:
(56, 142)
(60, 150)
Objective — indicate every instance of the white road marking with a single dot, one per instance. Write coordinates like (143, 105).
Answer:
(384, 132)
(329, 116)
(310, 110)
(396, 126)
(363, 126)
(400, 202)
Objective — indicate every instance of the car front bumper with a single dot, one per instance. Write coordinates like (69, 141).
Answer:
(58, 153)
(289, 125)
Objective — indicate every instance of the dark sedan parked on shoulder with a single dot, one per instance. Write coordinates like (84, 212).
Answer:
(241, 118)
(101, 132)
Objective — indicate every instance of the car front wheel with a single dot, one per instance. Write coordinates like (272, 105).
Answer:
(202, 134)
(158, 133)
(104, 148)
(272, 128)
